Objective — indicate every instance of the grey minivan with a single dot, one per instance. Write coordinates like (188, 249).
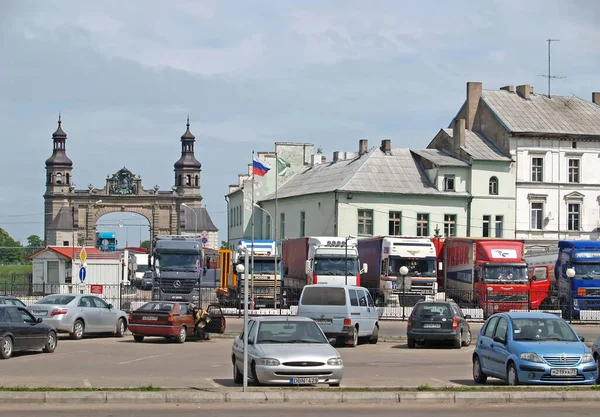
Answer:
(346, 312)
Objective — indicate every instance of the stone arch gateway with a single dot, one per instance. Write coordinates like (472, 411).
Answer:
(70, 214)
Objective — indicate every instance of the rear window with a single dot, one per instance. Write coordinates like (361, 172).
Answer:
(56, 299)
(431, 310)
(162, 307)
(323, 296)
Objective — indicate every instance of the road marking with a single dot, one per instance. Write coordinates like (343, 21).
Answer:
(87, 383)
(143, 359)
(213, 383)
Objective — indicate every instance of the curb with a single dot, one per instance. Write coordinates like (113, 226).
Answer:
(294, 397)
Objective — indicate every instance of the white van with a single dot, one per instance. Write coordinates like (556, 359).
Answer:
(345, 312)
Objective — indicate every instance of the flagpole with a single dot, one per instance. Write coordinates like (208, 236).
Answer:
(275, 237)
(252, 253)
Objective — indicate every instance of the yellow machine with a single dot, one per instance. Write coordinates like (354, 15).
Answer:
(227, 276)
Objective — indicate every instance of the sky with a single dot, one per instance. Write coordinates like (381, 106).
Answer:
(125, 75)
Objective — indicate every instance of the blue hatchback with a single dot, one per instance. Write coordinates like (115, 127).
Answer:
(531, 348)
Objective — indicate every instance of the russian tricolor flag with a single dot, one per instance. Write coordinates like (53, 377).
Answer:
(259, 167)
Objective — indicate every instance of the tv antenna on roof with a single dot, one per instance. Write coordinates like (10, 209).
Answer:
(550, 76)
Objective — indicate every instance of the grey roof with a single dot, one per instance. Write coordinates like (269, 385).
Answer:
(479, 147)
(440, 158)
(63, 220)
(204, 220)
(374, 172)
(540, 114)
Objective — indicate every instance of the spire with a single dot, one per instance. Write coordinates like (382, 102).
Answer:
(59, 156)
(59, 133)
(187, 160)
(188, 135)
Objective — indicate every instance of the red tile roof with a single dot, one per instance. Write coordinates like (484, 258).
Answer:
(67, 252)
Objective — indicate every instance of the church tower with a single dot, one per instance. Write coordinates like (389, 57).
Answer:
(187, 168)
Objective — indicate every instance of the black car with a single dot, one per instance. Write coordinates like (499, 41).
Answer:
(20, 330)
(438, 321)
(13, 301)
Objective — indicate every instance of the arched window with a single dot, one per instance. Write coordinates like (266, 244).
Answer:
(67, 178)
(179, 180)
(49, 179)
(188, 180)
(59, 178)
(493, 186)
(197, 181)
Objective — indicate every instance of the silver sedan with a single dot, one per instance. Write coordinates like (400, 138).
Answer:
(287, 350)
(79, 314)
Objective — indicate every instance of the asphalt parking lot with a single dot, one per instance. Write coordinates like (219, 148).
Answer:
(108, 362)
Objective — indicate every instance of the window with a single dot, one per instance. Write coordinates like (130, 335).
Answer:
(365, 222)
(502, 328)
(489, 329)
(59, 178)
(197, 180)
(536, 215)
(282, 226)
(574, 213)
(302, 224)
(422, 224)
(493, 186)
(499, 224)
(188, 180)
(574, 145)
(537, 169)
(67, 178)
(323, 296)
(485, 232)
(449, 183)
(574, 170)
(449, 225)
(395, 228)
(66, 243)
(353, 298)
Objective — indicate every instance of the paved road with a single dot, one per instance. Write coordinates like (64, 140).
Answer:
(289, 410)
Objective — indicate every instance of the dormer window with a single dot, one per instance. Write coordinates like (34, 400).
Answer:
(449, 183)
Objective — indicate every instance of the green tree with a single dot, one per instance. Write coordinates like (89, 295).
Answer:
(146, 244)
(224, 244)
(35, 242)
(10, 249)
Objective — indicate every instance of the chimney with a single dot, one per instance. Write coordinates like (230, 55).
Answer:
(596, 98)
(323, 159)
(363, 146)
(458, 133)
(315, 159)
(509, 88)
(525, 91)
(336, 156)
(386, 146)
(474, 90)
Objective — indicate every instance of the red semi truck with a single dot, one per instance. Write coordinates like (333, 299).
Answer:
(490, 273)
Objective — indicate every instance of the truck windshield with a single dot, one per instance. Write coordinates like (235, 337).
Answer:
(505, 274)
(587, 270)
(178, 261)
(418, 267)
(265, 267)
(326, 265)
(142, 268)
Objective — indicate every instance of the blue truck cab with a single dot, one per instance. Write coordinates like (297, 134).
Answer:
(106, 241)
(577, 274)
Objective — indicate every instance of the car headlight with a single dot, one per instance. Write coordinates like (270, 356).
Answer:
(267, 362)
(531, 357)
(335, 362)
(587, 357)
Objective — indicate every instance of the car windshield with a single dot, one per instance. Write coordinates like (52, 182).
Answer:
(506, 274)
(543, 329)
(331, 265)
(290, 331)
(431, 310)
(157, 307)
(56, 299)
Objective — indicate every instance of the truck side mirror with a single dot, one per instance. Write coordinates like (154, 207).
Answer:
(365, 268)
(307, 268)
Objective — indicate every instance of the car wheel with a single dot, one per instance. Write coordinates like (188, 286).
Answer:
(182, 335)
(467, 339)
(410, 343)
(138, 338)
(238, 378)
(478, 375)
(51, 342)
(254, 376)
(121, 328)
(354, 341)
(78, 329)
(6, 347)
(375, 336)
(457, 343)
(512, 376)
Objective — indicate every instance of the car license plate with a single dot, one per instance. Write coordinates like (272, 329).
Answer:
(149, 318)
(563, 372)
(323, 321)
(432, 326)
(39, 313)
(298, 381)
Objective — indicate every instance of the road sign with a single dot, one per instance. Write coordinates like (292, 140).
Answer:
(204, 240)
(82, 274)
(83, 255)
(204, 233)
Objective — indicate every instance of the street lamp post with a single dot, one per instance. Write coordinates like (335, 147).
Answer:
(195, 218)
(244, 268)
(202, 251)
(403, 272)
(271, 232)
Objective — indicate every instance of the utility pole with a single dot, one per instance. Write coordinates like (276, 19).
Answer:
(549, 76)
